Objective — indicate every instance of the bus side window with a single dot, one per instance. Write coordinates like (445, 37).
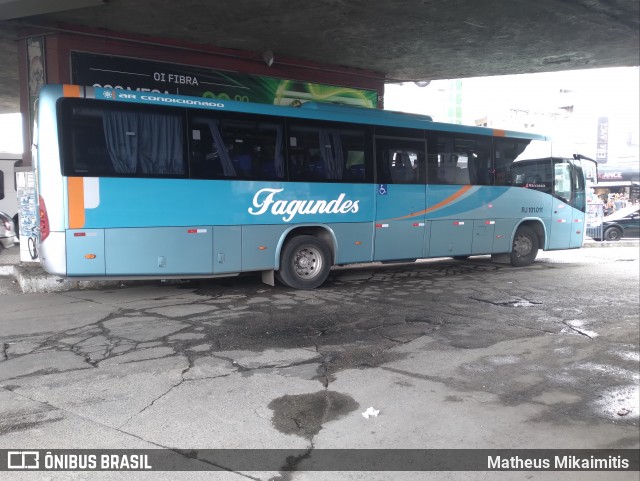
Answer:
(83, 143)
(236, 139)
(442, 160)
(196, 153)
(354, 155)
(145, 141)
(506, 152)
(269, 151)
(400, 161)
(460, 160)
(562, 184)
(523, 163)
(332, 152)
(480, 165)
(235, 148)
(205, 163)
(242, 158)
(579, 197)
(356, 168)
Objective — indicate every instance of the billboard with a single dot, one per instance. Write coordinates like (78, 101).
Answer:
(151, 76)
(602, 146)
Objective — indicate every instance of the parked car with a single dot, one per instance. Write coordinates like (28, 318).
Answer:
(7, 231)
(622, 223)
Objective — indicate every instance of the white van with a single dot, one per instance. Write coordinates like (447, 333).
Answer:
(8, 194)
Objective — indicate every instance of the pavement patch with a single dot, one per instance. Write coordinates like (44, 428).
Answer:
(41, 362)
(139, 355)
(270, 357)
(142, 328)
(209, 367)
(619, 402)
(304, 414)
(109, 395)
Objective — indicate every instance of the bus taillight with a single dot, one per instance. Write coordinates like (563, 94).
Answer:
(44, 220)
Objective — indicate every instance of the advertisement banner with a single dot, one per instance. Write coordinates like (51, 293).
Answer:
(36, 75)
(28, 214)
(151, 76)
(602, 146)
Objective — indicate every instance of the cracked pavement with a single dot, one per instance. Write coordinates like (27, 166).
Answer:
(455, 354)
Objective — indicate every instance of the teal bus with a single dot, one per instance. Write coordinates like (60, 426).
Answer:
(136, 185)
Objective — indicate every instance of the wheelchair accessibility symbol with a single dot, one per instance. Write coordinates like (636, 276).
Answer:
(382, 189)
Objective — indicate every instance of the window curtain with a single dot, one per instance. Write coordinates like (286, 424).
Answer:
(121, 135)
(475, 170)
(331, 150)
(449, 167)
(279, 158)
(144, 143)
(161, 145)
(227, 165)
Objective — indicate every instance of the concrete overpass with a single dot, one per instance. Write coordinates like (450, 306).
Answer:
(402, 40)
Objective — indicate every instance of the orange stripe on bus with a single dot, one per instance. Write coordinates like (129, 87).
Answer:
(499, 133)
(75, 192)
(449, 199)
(71, 90)
(439, 205)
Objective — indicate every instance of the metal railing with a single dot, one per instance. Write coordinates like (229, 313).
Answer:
(595, 214)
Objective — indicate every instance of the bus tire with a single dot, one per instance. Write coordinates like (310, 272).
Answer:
(305, 262)
(525, 247)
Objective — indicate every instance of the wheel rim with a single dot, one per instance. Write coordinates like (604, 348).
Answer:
(522, 246)
(307, 263)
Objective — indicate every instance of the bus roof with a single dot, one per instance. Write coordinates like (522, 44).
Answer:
(309, 110)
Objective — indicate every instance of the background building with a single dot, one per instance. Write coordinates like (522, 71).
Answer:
(592, 112)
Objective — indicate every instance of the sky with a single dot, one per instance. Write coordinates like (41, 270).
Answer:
(10, 133)
(534, 102)
(531, 102)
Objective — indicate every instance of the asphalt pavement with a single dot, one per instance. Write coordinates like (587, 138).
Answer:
(450, 354)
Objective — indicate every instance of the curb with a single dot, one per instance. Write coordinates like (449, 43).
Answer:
(6, 271)
(599, 244)
(33, 279)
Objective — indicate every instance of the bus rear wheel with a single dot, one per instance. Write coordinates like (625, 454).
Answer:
(305, 262)
(525, 247)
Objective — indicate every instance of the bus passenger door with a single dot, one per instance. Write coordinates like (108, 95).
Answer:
(561, 212)
(400, 200)
(579, 204)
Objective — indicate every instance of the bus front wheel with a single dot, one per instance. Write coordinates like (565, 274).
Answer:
(305, 263)
(525, 247)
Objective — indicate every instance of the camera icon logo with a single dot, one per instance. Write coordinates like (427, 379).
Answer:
(23, 460)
